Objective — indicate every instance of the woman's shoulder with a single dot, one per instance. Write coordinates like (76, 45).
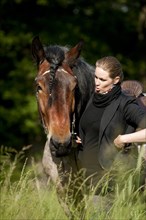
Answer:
(125, 99)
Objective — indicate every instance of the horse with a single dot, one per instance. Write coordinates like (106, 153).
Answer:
(64, 84)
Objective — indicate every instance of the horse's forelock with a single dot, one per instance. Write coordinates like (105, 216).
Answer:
(54, 54)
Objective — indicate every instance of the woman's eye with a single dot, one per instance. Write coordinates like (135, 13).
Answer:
(38, 89)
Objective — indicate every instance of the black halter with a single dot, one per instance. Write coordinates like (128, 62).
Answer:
(73, 133)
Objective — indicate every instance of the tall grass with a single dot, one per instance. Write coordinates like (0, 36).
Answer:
(28, 198)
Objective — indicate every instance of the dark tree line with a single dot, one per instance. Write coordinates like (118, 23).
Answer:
(107, 27)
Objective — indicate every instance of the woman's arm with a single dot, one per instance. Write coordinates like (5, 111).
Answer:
(138, 137)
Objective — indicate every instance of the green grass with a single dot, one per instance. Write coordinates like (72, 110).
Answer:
(26, 196)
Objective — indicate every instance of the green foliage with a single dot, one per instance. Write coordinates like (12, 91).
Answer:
(107, 27)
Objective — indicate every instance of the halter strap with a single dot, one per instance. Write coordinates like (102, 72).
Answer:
(45, 72)
(59, 69)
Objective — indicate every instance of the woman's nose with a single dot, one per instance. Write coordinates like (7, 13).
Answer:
(97, 82)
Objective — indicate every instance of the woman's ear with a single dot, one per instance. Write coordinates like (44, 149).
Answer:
(116, 79)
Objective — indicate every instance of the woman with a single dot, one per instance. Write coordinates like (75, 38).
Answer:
(108, 114)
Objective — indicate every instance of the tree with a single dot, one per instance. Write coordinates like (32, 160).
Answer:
(107, 27)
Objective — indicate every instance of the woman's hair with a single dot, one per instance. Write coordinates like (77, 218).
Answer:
(111, 65)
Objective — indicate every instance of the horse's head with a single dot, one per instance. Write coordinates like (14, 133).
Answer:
(55, 92)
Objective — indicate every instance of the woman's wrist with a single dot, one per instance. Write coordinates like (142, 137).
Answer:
(123, 138)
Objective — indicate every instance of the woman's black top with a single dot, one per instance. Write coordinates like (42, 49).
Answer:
(90, 124)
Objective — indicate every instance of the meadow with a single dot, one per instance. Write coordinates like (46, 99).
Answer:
(25, 194)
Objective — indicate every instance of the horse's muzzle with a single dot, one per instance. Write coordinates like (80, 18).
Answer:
(60, 149)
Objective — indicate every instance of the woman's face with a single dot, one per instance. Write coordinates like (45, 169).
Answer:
(103, 82)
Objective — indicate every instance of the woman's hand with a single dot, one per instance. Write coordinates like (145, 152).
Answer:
(78, 140)
(118, 142)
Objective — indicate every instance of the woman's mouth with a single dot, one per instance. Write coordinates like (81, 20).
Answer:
(97, 89)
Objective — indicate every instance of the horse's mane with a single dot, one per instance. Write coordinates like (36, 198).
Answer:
(85, 76)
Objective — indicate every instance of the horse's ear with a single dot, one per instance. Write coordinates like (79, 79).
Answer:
(73, 54)
(37, 50)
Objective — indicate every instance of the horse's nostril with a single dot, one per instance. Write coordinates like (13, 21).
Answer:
(59, 145)
(54, 143)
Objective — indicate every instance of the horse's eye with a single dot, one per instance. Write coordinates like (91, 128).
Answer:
(38, 88)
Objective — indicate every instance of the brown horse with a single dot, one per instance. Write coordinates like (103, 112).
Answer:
(64, 84)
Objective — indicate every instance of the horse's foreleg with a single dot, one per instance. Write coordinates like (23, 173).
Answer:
(49, 166)
(51, 170)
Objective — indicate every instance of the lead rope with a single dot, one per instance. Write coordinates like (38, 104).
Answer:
(74, 144)
(73, 133)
